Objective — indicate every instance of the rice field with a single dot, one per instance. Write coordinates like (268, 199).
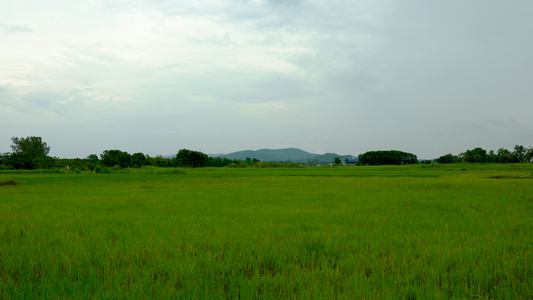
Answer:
(353, 232)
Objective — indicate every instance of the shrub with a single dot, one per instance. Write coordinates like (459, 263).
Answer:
(238, 164)
(105, 171)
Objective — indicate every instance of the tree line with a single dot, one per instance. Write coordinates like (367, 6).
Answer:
(32, 153)
(520, 154)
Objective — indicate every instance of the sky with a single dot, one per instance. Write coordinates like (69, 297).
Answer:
(342, 76)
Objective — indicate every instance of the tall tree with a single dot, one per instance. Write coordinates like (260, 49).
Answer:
(520, 153)
(31, 152)
(529, 154)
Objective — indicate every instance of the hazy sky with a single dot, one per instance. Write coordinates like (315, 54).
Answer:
(344, 76)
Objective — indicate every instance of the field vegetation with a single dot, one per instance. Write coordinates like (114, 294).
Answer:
(377, 232)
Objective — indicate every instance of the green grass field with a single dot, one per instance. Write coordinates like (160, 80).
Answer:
(394, 232)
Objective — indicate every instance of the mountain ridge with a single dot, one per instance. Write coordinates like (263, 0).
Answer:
(283, 155)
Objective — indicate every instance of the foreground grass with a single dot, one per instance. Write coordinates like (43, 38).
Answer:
(350, 232)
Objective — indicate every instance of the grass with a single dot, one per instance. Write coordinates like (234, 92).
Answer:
(389, 232)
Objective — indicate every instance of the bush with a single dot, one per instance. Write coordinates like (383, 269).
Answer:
(237, 164)
(105, 171)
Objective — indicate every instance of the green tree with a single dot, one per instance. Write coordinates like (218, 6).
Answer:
(391, 157)
(3, 160)
(520, 153)
(191, 159)
(505, 156)
(138, 160)
(160, 161)
(448, 159)
(30, 152)
(337, 161)
(110, 158)
(92, 161)
(492, 157)
(238, 163)
(221, 161)
(476, 155)
(529, 155)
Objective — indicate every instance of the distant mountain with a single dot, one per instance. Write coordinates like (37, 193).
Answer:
(329, 157)
(288, 154)
(284, 155)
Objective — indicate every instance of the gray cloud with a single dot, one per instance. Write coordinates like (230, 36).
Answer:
(218, 76)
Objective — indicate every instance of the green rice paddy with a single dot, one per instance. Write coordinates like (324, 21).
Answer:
(354, 232)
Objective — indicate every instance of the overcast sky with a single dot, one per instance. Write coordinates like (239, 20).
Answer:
(343, 76)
